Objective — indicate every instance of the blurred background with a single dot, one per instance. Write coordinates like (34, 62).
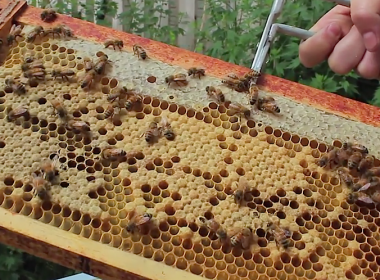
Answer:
(225, 29)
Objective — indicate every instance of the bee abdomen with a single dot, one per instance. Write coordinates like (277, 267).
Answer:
(128, 105)
(169, 135)
(149, 137)
(143, 55)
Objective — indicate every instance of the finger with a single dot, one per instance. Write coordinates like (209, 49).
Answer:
(339, 14)
(369, 67)
(365, 14)
(317, 48)
(347, 53)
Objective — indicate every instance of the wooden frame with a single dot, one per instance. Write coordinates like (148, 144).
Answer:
(106, 262)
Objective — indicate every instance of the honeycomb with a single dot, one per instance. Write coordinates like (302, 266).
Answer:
(192, 176)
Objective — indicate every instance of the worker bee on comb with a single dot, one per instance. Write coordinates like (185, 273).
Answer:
(268, 104)
(115, 43)
(14, 33)
(136, 222)
(242, 238)
(113, 153)
(32, 35)
(48, 15)
(14, 86)
(140, 52)
(194, 71)
(216, 94)
(177, 79)
(64, 74)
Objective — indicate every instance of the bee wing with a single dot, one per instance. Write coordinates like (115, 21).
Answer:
(243, 183)
(245, 242)
(365, 187)
(12, 29)
(180, 77)
(366, 199)
(140, 220)
(164, 122)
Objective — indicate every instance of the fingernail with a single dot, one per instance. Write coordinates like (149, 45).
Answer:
(371, 41)
(334, 29)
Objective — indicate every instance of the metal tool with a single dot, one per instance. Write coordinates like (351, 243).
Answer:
(271, 28)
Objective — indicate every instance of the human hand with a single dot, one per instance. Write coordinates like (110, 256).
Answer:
(349, 38)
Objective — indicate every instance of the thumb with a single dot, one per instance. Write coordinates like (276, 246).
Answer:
(365, 15)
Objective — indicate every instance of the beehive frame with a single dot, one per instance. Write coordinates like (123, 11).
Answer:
(344, 238)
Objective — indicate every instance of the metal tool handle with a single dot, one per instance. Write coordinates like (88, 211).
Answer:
(271, 28)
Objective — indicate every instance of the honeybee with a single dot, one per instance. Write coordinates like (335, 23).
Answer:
(329, 159)
(363, 181)
(64, 74)
(356, 147)
(28, 57)
(58, 106)
(253, 93)
(193, 71)
(345, 177)
(241, 110)
(14, 86)
(166, 129)
(114, 43)
(215, 227)
(343, 156)
(88, 64)
(281, 236)
(233, 81)
(110, 111)
(268, 104)
(66, 31)
(14, 33)
(152, 133)
(78, 126)
(57, 30)
(363, 197)
(242, 188)
(32, 35)
(48, 15)
(17, 113)
(137, 221)
(140, 52)
(252, 76)
(366, 163)
(49, 168)
(243, 238)
(119, 94)
(131, 101)
(35, 64)
(354, 160)
(177, 79)
(113, 153)
(88, 79)
(100, 65)
(215, 93)
(35, 73)
(39, 185)
(374, 171)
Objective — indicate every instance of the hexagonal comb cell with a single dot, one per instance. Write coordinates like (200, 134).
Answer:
(202, 189)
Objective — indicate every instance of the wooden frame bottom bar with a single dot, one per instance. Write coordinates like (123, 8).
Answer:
(80, 253)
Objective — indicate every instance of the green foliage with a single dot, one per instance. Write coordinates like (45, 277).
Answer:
(17, 265)
(148, 21)
(235, 31)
